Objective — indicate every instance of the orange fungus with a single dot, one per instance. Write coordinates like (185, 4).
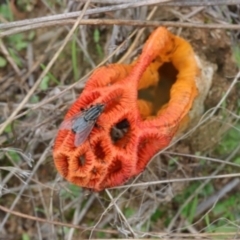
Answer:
(145, 103)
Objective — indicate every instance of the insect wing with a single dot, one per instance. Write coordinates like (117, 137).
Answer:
(83, 134)
(82, 123)
(68, 123)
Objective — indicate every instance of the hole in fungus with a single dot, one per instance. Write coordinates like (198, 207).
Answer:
(94, 171)
(118, 172)
(99, 151)
(119, 132)
(160, 94)
(168, 76)
(82, 160)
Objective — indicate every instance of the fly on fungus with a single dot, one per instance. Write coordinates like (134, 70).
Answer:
(82, 123)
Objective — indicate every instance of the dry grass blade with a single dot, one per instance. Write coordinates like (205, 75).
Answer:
(22, 215)
(178, 3)
(178, 180)
(65, 16)
(120, 22)
(76, 14)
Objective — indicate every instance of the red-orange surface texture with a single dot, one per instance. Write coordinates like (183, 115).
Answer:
(152, 96)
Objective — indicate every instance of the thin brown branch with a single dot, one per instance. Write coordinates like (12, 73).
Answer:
(64, 16)
(59, 17)
(9, 58)
(176, 3)
(136, 23)
(38, 219)
(210, 201)
(146, 184)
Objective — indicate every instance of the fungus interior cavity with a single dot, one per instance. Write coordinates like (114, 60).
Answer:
(82, 160)
(160, 94)
(119, 131)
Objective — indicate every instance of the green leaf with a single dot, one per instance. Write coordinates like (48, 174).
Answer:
(14, 156)
(25, 236)
(230, 140)
(172, 161)
(18, 41)
(6, 12)
(192, 210)
(3, 62)
(99, 50)
(50, 75)
(15, 57)
(128, 212)
(101, 235)
(34, 99)
(207, 221)
(156, 215)
(96, 36)
(237, 160)
(44, 83)
(21, 45)
(236, 54)
(13, 39)
(8, 129)
(31, 35)
(74, 192)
